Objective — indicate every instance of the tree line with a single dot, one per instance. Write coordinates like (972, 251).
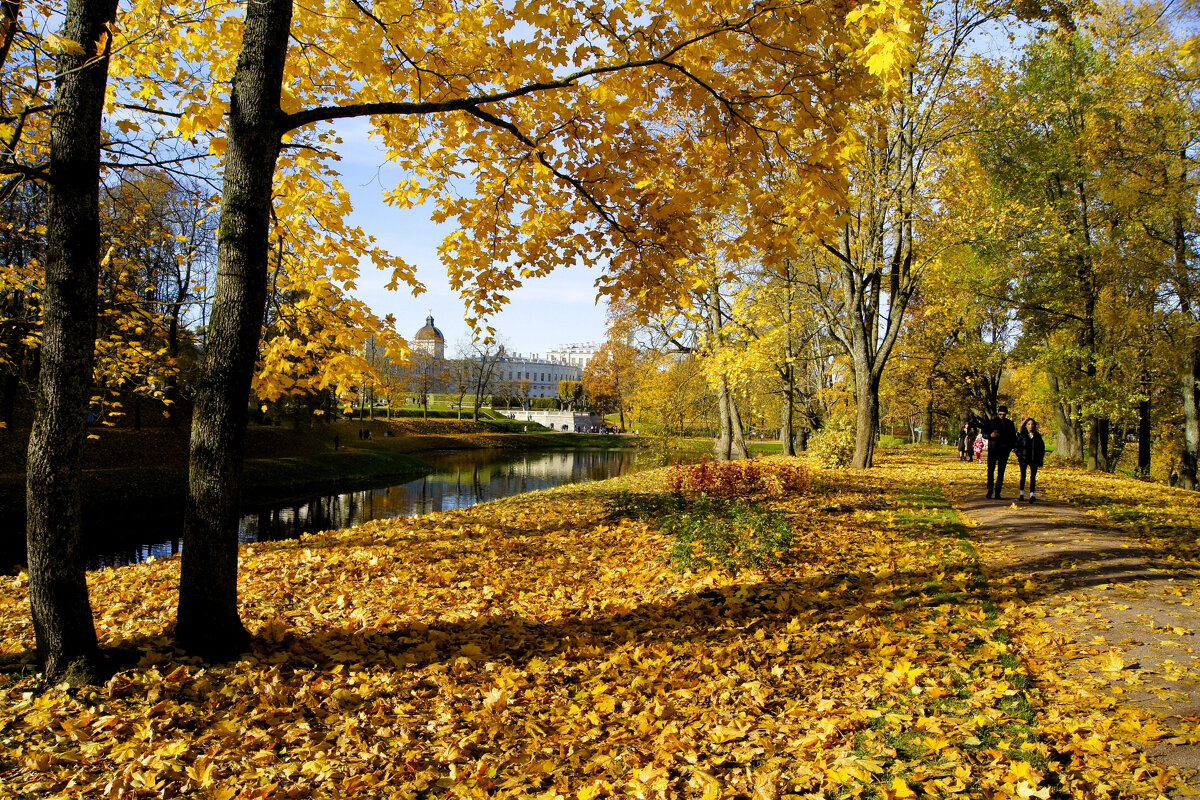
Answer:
(1020, 228)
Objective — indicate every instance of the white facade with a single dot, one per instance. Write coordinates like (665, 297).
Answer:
(577, 355)
(556, 420)
(563, 363)
(543, 375)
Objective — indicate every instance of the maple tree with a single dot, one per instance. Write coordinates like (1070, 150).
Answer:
(1093, 295)
(423, 375)
(785, 352)
(863, 278)
(157, 238)
(1155, 148)
(671, 396)
(610, 375)
(476, 373)
(22, 248)
(1054, 167)
(572, 393)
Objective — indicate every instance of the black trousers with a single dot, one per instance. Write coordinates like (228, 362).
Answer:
(997, 463)
(1032, 477)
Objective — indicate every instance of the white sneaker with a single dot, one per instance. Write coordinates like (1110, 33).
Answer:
(1021, 496)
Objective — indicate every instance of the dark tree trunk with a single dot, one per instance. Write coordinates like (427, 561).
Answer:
(171, 390)
(16, 328)
(1096, 451)
(208, 620)
(927, 423)
(620, 402)
(58, 595)
(1189, 389)
(1144, 422)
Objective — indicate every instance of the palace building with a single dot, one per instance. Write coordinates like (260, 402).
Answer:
(564, 363)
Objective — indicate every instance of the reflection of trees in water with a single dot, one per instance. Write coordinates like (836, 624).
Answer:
(459, 479)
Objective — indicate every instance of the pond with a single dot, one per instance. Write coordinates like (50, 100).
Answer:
(460, 478)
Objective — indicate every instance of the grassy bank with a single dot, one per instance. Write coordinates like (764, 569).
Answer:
(125, 466)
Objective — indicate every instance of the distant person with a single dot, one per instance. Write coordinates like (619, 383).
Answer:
(978, 447)
(1002, 438)
(1031, 453)
(964, 444)
(337, 441)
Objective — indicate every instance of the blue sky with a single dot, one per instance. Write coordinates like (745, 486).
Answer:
(558, 309)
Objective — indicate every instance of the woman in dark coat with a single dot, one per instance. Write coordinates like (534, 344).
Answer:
(1031, 452)
(964, 444)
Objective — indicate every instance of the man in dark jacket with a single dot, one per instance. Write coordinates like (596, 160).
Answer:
(1002, 437)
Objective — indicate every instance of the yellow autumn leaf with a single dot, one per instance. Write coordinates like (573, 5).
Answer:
(59, 44)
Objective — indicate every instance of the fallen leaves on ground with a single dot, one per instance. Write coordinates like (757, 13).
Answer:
(541, 646)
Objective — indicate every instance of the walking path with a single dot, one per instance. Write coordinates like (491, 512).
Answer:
(1121, 621)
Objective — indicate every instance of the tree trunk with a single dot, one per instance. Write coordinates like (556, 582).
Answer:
(1068, 432)
(171, 390)
(866, 425)
(787, 428)
(737, 431)
(927, 423)
(1097, 445)
(620, 401)
(64, 633)
(208, 620)
(1189, 388)
(731, 440)
(1144, 433)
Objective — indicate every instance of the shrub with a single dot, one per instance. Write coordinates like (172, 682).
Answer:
(834, 444)
(739, 478)
(731, 536)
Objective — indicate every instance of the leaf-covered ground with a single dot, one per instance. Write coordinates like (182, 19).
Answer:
(542, 647)
(1106, 607)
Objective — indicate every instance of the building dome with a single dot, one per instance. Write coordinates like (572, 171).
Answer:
(429, 340)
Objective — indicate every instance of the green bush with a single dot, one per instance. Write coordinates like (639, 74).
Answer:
(833, 445)
(728, 535)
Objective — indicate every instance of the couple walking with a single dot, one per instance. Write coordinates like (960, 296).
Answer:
(1003, 439)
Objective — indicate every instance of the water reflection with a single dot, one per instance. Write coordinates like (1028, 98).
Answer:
(460, 478)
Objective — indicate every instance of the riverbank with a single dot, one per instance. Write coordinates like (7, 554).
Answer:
(543, 645)
(124, 466)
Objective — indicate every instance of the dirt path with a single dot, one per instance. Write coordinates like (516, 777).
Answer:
(1124, 620)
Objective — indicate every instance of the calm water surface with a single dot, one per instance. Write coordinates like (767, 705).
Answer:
(460, 478)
